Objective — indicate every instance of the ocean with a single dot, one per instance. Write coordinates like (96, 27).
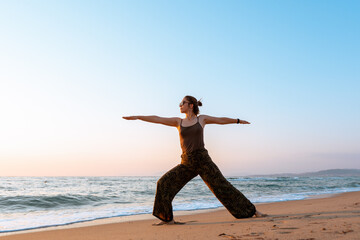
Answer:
(37, 202)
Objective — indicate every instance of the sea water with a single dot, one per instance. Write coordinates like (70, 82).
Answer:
(36, 202)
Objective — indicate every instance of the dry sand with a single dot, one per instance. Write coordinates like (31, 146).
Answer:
(335, 217)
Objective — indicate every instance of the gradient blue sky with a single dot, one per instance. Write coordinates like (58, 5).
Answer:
(71, 69)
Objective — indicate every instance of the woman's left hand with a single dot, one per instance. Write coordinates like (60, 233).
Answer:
(244, 122)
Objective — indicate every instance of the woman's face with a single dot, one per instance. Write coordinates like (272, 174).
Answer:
(184, 106)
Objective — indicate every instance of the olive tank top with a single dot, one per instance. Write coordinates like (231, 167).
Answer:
(192, 137)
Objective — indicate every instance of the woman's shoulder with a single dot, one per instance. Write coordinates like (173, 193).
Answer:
(203, 117)
(178, 121)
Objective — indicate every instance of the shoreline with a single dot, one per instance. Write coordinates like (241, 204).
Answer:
(108, 220)
(191, 218)
(139, 217)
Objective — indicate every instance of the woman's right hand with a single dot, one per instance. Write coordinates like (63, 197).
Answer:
(130, 118)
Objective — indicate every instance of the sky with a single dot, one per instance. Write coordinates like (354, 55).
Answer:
(71, 69)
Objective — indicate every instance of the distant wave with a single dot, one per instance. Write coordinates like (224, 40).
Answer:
(47, 202)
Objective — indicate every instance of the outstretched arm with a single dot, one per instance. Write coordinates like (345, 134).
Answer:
(221, 120)
(174, 122)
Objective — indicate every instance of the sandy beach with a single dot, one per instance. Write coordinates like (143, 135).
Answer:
(333, 217)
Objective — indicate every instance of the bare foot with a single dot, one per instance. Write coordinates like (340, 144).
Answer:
(172, 222)
(259, 214)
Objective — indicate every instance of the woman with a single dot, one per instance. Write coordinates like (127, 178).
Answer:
(195, 160)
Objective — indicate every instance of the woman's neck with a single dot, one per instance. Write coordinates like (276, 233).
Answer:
(190, 115)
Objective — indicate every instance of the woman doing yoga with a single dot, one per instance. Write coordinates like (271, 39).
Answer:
(195, 160)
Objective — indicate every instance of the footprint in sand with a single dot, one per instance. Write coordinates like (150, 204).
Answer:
(280, 217)
(252, 235)
(227, 236)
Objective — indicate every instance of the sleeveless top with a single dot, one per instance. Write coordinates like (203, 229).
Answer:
(192, 137)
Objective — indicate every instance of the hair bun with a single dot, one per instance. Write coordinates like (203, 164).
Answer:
(199, 103)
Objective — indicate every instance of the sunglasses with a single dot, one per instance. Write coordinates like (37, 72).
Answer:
(183, 103)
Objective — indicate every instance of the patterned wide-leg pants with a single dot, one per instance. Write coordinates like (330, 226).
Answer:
(199, 162)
